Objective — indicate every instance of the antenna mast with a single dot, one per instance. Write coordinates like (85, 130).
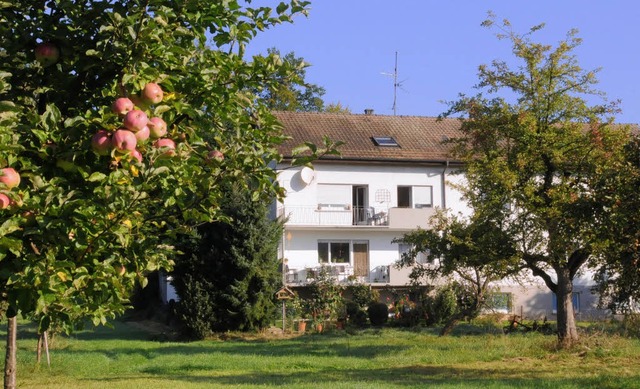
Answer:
(395, 84)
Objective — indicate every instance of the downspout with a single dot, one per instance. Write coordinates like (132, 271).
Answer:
(444, 185)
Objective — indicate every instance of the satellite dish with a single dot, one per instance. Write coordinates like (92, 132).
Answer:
(307, 175)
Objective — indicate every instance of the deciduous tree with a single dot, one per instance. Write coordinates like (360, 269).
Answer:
(84, 226)
(471, 253)
(535, 153)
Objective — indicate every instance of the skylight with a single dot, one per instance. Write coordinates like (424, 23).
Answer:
(385, 141)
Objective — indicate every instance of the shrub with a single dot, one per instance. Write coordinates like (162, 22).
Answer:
(441, 306)
(378, 313)
(363, 295)
(359, 318)
(352, 308)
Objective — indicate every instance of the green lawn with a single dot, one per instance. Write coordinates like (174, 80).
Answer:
(388, 358)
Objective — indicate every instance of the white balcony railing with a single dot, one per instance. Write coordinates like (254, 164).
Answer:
(334, 215)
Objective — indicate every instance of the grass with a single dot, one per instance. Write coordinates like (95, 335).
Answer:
(124, 357)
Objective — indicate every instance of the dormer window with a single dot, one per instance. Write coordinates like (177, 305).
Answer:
(385, 141)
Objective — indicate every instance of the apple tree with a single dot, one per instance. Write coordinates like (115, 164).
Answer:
(122, 121)
(536, 153)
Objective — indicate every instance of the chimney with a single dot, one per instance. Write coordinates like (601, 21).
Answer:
(368, 111)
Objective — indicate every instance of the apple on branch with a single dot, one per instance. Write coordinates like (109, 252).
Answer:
(143, 134)
(215, 155)
(9, 177)
(152, 93)
(124, 141)
(135, 120)
(5, 201)
(101, 142)
(168, 144)
(157, 127)
(122, 106)
(47, 53)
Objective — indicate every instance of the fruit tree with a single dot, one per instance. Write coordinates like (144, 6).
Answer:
(109, 114)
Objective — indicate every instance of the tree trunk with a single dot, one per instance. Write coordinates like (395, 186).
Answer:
(567, 332)
(449, 325)
(10, 357)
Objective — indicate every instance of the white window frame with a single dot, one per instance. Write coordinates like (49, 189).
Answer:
(415, 197)
(421, 258)
(330, 260)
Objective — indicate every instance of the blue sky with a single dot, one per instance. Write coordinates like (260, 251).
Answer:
(352, 43)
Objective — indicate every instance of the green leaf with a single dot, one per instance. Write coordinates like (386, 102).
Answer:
(97, 176)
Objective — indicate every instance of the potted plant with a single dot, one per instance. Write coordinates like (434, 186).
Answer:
(301, 310)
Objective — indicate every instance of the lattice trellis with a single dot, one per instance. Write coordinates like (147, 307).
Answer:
(383, 196)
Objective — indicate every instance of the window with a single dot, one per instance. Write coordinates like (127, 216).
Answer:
(404, 248)
(334, 197)
(385, 141)
(333, 252)
(422, 197)
(415, 196)
(499, 302)
(575, 299)
(404, 197)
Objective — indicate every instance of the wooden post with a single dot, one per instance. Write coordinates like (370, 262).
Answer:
(10, 356)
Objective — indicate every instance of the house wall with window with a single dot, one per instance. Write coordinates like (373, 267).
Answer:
(347, 216)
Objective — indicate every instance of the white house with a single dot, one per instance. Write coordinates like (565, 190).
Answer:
(392, 174)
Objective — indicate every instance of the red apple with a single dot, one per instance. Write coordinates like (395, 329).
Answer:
(137, 155)
(166, 143)
(158, 127)
(135, 120)
(5, 201)
(101, 142)
(9, 177)
(143, 134)
(47, 53)
(215, 155)
(124, 140)
(151, 93)
(122, 106)
(121, 270)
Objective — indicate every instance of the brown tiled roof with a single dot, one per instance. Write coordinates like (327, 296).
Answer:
(420, 138)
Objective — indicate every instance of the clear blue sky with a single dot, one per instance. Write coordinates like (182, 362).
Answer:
(351, 43)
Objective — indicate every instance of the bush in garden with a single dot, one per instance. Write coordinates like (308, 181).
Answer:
(378, 313)
(359, 319)
(363, 294)
(440, 306)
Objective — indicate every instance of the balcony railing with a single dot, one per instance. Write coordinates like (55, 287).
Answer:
(342, 274)
(334, 215)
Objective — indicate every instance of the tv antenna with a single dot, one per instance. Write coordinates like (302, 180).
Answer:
(396, 84)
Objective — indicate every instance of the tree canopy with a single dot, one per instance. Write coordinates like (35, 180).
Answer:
(84, 225)
(535, 154)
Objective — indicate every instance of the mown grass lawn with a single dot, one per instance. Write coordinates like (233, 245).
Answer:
(124, 357)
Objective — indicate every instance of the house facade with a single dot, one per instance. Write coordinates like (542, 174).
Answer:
(392, 174)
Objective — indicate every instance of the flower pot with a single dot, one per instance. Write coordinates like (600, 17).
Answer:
(302, 326)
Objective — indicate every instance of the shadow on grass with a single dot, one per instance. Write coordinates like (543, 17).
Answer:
(411, 376)
(301, 347)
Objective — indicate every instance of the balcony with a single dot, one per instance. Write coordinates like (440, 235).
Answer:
(333, 215)
(344, 275)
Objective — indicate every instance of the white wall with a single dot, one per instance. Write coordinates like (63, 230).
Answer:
(300, 246)
(376, 177)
